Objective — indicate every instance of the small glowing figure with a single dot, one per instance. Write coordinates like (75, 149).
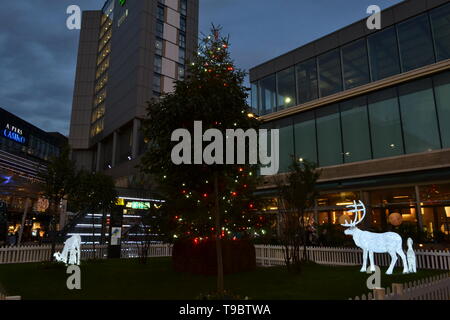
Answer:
(71, 253)
(371, 243)
(411, 256)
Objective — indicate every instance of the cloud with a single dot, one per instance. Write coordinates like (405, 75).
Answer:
(38, 53)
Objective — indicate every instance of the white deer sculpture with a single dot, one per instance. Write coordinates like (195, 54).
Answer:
(71, 252)
(371, 243)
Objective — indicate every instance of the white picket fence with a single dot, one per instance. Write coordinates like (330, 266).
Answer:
(40, 253)
(433, 288)
(267, 256)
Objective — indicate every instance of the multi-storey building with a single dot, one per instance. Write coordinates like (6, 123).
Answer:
(24, 153)
(129, 52)
(372, 109)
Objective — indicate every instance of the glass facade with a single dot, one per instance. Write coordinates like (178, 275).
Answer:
(181, 55)
(160, 13)
(268, 94)
(286, 88)
(411, 44)
(440, 24)
(307, 83)
(409, 118)
(329, 137)
(355, 130)
(420, 125)
(383, 54)
(355, 64)
(159, 47)
(442, 94)
(157, 83)
(157, 66)
(287, 147)
(330, 76)
(159, 29)
(385, 124)
(416, 45)
(305, 136)
(101, 74)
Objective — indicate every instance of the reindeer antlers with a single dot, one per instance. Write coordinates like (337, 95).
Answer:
(357, 208)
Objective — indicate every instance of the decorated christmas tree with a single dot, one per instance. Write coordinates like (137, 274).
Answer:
(205, 201)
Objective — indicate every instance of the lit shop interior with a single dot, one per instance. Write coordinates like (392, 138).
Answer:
(388, 208)
(15, 192)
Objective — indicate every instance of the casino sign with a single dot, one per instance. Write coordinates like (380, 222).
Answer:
(13, 133)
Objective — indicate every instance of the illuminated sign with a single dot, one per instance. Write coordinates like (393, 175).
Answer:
(14, 133)
(122, 2)
(138, 205)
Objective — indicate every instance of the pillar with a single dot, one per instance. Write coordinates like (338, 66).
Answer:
(135, 146)
(98, 165)
(114, 150)
(368, 220)
(419, 209)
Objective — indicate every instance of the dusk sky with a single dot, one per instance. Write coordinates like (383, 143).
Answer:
(38, 53)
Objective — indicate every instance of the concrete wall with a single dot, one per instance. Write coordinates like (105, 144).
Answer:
(84, 80)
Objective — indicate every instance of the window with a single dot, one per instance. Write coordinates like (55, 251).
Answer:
(160, 13)
(286, 143)
(419, 119)
(329, 136)
(159, 29)
(183, 7)
(286, 88)
(181, 55)
(159, 47)
(355, 64)
(180, 72)
(157, 83)
(158, 64)
(416, 46)
(307, 81)
(355, 130)
(440, 22)
(305, 136)
(330, 73)
(442, 92)
(385, 125)
(183, 23)
(383, 52)
(268, 94)
(182, 40)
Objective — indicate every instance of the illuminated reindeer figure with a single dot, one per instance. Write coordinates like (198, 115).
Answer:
(371, 243)
(71, 253)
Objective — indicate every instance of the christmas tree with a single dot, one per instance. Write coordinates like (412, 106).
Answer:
(206, 201)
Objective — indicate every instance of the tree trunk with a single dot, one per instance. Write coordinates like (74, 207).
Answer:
(220, 280)
(53, 227)
(93, 235)
(22, 225)
(305, 237)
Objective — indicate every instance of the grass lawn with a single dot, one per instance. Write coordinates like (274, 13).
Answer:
(127, 279)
